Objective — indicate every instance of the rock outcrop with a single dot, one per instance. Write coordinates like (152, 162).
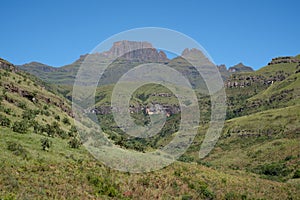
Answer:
(285, 59)
(137, 51)
(240, 68)
(7, 65)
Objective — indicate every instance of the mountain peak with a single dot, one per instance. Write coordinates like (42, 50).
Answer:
(119, 48)
(240, 67)
(136, 50)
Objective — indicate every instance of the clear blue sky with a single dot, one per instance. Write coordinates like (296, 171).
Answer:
(57, 32)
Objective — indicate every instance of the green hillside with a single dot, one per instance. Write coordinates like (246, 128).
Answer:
(256, 157)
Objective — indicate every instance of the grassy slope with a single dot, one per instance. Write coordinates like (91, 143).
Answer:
(63, 172)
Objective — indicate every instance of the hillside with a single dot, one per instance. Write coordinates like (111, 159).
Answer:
(257, 156)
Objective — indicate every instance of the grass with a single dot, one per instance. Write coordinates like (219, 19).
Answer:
(64, 172)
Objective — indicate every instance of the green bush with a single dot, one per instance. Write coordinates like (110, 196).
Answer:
(17, 149)
(73, 131)
(186, 197)
(29, 114)
(104, 185)
(20, 126)
(202, 189)
(4, 121)
(297, 174)
(66, 120)
(273, 170)
(54, 130)
(57, 117)
(74, 143)
(46, 144)
(22, 105)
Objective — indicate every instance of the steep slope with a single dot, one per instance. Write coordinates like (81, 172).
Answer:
(273, 86)
(27, 105)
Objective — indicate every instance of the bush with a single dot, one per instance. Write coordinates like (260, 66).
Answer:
(57, 117)
(22, 105)
(4, 121)
(17, 149)
(20, 126)
(297, 174)
(273, 170)
(73, 131)
(29, 114)
(37, 128)
(74, 143)
(46, 144)
(186, 197)
(66, 120)
(104, 185)
(54, 129)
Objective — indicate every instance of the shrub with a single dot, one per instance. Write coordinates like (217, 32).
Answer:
(203, 191)
(57, 117)
(22, 105)
(185, 158)
(46, 144)
(186, 197)
(37, 128)
(66, 120)
(7, 111)
(297, 174)
(104, 185)
(74, 143)
(4, 121)
(17, 149)
(273, 170)
(73, 131)
(29, 114)
(20, 126)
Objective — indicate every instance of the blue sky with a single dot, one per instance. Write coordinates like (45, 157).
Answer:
(57, 32)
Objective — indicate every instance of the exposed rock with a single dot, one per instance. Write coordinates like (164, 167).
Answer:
(285, 59)
(240, 68)
(134, 50)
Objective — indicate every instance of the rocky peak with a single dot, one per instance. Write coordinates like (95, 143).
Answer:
(222, 67)
(240, 67)
(121, 47)
(135, 50)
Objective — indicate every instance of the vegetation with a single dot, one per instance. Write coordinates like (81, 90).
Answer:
(256, 157)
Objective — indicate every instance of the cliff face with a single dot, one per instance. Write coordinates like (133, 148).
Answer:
(137, 51)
